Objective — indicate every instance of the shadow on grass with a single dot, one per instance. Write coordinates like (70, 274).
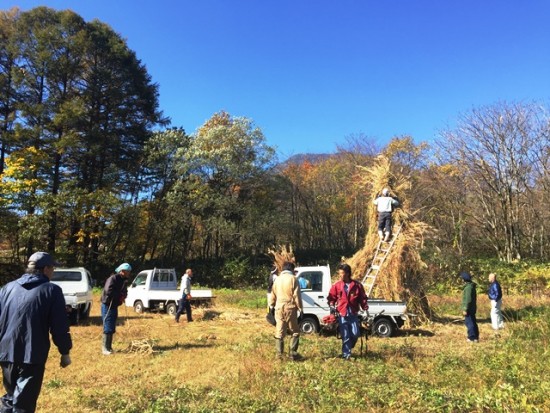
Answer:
(184, 346)
(525, 313)
(98, 321)
(210, 315)
(417, 332)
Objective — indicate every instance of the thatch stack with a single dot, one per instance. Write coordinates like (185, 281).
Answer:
(282, 254)
(401, 275)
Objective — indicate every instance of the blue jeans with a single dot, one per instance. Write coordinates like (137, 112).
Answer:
(22, 383)
(471, 327)
(109, 316)
(350, 332)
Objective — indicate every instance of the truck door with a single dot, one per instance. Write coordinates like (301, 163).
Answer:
(314, 299)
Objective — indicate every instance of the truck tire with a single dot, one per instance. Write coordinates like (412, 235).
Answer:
(85, 313)
(383, 327)
(309, 325)
(74, 316)
(171, 309)
(138, 307)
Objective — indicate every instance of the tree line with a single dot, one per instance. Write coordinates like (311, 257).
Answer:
(92, 171)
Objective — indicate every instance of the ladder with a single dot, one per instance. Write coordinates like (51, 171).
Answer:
(382, 251)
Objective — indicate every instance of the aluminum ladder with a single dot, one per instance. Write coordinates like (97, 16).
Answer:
(382, 251)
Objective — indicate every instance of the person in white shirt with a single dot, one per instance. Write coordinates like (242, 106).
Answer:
(185, 302)
(385, 205)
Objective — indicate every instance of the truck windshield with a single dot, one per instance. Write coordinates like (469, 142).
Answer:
(67, 276)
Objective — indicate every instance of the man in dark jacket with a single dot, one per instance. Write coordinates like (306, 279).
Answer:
(469, 307)
(346, 297)
(31, 308)
(114, 294)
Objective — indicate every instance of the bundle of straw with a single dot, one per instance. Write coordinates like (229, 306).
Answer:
(401, 276)
(282, 254)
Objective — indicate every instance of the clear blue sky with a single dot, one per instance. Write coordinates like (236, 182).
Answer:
(310, 73)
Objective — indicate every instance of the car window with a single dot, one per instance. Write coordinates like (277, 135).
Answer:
(67, 276)
(313, 280)
(140, 279)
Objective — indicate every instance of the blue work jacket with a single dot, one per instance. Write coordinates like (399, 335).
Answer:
(495, 292)
(31, 308)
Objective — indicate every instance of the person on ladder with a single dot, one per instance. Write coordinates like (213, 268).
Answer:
(385, 204)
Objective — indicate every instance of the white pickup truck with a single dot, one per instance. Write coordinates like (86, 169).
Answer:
(77, 285)
(157, 289)
(385, 317)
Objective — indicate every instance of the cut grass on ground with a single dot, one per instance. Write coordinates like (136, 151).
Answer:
(225, 362)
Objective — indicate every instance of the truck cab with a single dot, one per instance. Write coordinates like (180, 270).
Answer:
(383, 318)
(157, 289)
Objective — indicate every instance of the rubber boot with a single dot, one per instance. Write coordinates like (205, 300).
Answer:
(107, 342)
(294, 355)
(388, 235)
(280, 345)
(381, 235)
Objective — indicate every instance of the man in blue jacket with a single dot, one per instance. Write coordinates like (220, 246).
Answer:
(495, 295)
(31, 308)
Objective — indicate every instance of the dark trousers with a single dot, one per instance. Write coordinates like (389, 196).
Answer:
(184, 306)
(471, 327)
(22, 383)
(109, 314)
(384, 221)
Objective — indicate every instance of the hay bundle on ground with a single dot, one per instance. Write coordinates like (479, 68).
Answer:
(401, 275)
(282, 254)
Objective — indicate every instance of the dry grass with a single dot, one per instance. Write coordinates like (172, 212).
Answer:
(401, 277)
(226, 359)
(282, 254)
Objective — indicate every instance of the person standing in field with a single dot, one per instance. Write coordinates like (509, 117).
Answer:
(286, 298)
(184, 305)
(495, 295)
(114, 294)
(385, 205)
(346, 297)
(469, 307)
(31, 308)
(270, 280)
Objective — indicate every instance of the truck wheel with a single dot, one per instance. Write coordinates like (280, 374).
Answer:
(138, 307)
(74, 316)
(309, 325)
(171, 309)
(383, 327)
(85, 314)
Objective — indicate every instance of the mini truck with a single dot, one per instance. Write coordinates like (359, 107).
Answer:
(385, 317)
(76, 284)
(157, 289)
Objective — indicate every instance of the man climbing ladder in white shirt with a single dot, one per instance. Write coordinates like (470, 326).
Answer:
(385, 205)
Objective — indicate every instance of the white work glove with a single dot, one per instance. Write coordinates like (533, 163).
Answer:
(65, 360)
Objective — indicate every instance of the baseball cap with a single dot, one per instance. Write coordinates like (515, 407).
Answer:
(42, 259)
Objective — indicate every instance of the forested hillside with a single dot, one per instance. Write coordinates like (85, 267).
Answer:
(92, 171)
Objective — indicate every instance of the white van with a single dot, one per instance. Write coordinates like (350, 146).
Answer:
(77, 285)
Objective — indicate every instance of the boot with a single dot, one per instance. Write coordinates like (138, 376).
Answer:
(388, 235)
(381, 235)
(280, 345)
(294, 355)
(107, 342)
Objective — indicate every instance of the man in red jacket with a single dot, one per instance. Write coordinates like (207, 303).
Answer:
(347, 297)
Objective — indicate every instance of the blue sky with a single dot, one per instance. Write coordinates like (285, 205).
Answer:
(311, 73)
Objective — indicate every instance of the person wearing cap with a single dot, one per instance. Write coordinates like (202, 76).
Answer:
(286, 300)
(385, 205)
(184, 305)
(31, 308)
(469, 306)
(113, 296)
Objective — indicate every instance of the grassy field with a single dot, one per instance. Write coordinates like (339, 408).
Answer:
(225, 362)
